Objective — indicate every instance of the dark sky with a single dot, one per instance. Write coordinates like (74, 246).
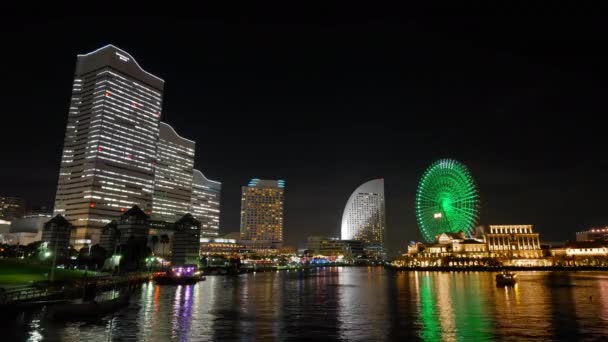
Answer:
(328, 103)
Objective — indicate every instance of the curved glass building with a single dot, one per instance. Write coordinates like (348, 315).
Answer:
(364, 217)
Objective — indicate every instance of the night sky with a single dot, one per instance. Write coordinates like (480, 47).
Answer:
(331, 102)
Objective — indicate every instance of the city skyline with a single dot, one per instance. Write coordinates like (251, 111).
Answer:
(490, 122)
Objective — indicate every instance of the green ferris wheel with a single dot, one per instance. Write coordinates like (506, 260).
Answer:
(446, 200)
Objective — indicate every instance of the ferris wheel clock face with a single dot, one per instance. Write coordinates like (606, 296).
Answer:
(446, 200)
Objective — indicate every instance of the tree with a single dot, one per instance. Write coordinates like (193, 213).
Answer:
(154, 241)
(164, 239)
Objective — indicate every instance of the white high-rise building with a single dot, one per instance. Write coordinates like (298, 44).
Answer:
(364, 217)
(173, 179)
(206, 203)
(109, 152)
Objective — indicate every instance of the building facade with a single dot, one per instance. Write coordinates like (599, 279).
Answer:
(29, 228)
(513, 241)
(11, 208)
(173, 176)
(262, 203)
(109, 151)
(56, 233)
(328, 246)
(205, 204)
(594, 233)
(364, 217)
(186, 242)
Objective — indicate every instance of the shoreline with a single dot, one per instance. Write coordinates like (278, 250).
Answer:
(498, 269)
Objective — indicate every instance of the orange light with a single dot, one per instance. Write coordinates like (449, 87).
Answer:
(92, 205)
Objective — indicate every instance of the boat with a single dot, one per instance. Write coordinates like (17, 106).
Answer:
(179, 275)
(506, 279)
(103, 304)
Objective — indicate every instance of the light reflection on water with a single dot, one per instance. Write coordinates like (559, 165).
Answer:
(360, 304)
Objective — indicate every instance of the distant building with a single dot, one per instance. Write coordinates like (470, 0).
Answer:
(111, 137)
(173, 176)
(513, 241)
(594, 233)
(11, 208)
(223, 245)
(262, 211)
(451, 244)
(56, 233)
(586, 249)
(186, 241)
(205, 203)
(364, 217)
(29, 228)
(328, 246)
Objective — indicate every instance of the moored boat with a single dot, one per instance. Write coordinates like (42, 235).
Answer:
(180, 275)
(506, 279)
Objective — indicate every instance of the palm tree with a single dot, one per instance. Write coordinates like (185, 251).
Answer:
(164, 239)
(154, 241)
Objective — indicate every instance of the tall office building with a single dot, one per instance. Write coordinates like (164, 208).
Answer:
(206, 203)
(173, 178)
(262, 210)
(364, 217)
(11, 208)
(109, 152)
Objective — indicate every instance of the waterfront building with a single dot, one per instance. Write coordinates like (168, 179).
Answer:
(173, 176)
(133, 225)
(364, 218)
(222, 246)
(186, 241)
(109, 237)
(262, 212)
(205, 205)
(110, 145)
(29, 228)
(513, 242)
(586, 249)
(56, 233)
(328, 246)
(11, 208)
(594, 233)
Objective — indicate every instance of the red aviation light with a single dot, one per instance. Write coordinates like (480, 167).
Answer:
(134, 105)
(122, 210)
(100, 148)
(130, 156)
(92, 205)
(107, 94)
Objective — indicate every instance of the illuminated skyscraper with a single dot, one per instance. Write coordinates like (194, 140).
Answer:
(364, 216)
(173, 178)
(109, 152)
(262, 210)
(206, 204)
(11, 208)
